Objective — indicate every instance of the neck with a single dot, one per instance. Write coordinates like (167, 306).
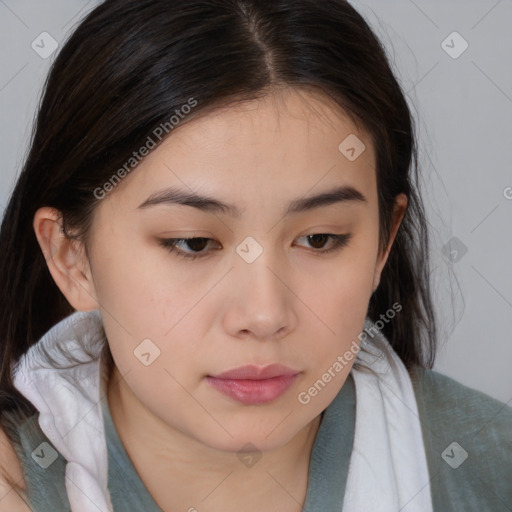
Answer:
(180, 472)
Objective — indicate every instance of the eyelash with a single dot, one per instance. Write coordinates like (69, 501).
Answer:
(339, 242)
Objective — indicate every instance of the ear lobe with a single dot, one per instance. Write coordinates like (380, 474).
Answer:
(66, 259)
(399, 210)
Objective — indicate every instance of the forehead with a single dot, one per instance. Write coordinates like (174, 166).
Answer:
(286, 118)
(285, 143)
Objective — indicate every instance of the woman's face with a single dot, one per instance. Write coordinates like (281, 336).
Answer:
(259, 291)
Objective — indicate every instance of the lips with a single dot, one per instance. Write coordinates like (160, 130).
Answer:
(253, 385)
(252, 372)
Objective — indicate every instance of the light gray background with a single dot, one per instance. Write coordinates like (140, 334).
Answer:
(463, 109)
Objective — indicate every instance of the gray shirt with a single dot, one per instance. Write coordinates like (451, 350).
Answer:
(457, 423)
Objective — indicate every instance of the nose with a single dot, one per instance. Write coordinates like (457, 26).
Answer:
(260, 302)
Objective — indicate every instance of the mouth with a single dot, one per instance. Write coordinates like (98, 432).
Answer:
(252, 385)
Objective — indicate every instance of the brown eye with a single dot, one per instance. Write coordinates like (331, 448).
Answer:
(197, 244)
(319, 240)
(189, 248)
(192, 248)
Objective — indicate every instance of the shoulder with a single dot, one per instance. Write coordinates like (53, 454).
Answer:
(13, 496)
(468, 440)
(444, 397)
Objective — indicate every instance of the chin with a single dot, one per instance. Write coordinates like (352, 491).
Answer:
(247, 443)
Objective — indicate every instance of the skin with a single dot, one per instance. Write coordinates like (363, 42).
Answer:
(290, 306)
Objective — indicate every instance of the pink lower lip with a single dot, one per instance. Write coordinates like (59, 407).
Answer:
(252, 392)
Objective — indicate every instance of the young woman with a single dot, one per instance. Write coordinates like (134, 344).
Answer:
(214, 272)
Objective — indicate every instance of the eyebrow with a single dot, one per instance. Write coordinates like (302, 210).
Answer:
(171, 196)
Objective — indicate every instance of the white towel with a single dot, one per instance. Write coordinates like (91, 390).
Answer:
(69, 405)
(388, 469)
(387, 472)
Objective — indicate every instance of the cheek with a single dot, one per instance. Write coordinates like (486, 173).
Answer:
(342, 307)
(144, 296)
(164, 389)
(133, 284)
(340, 301)
(346, 287)
(331, 347)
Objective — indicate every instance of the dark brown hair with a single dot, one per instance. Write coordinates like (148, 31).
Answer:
(130, 64)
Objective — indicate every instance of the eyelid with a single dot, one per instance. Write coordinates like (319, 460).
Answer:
(170, 245)
(339, 242)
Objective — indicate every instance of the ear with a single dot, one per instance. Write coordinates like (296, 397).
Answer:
(399, 209)
(66, 259)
